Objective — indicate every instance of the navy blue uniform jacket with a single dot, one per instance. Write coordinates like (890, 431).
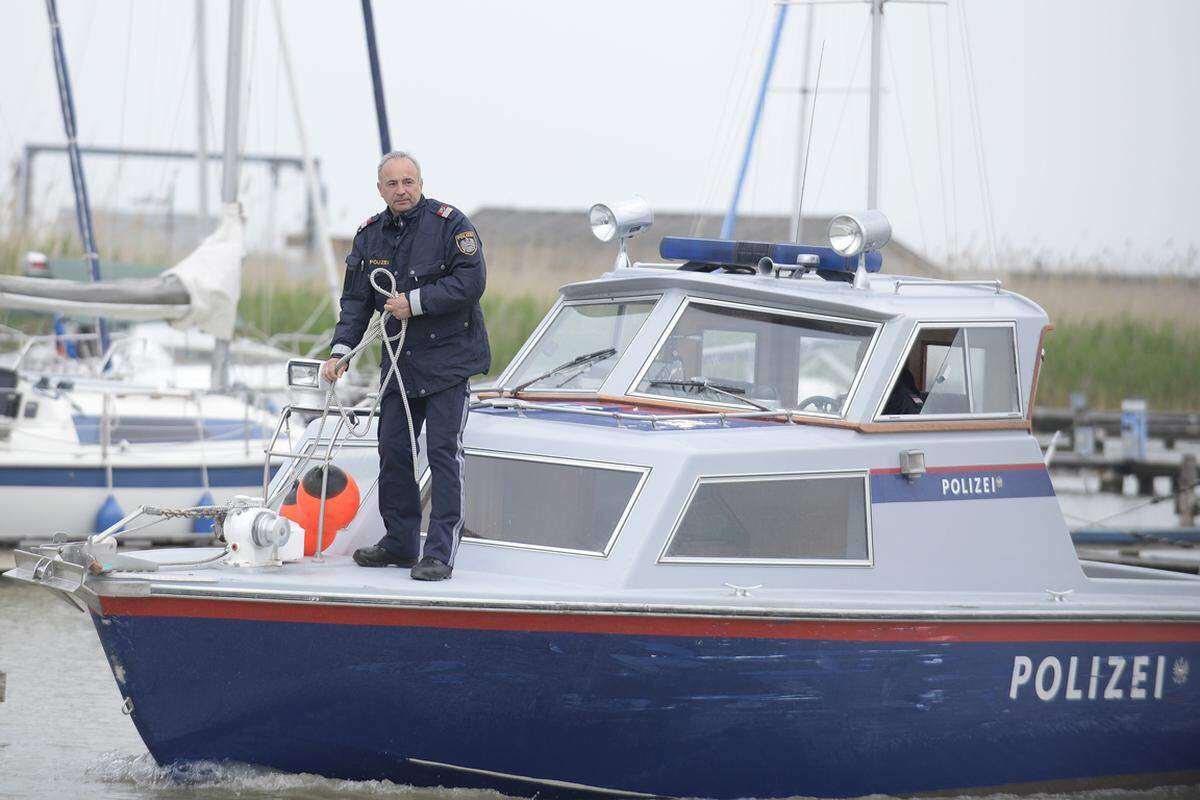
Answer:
(437, 259)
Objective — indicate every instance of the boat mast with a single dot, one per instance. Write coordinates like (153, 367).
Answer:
(229, 164)
(320, 214)
(83, 209)
(385, 138)
(873, 122)
(731, 215)
(201, 122)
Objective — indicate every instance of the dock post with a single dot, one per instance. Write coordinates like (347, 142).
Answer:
(1133, 429)
(1185, 488)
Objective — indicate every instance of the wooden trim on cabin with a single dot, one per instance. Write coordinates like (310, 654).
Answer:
(946, 425)
(1037, 370)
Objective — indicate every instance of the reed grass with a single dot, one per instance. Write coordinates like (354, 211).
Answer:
(1123, 357)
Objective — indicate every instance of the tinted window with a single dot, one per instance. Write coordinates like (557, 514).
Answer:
(958, 371)
(721, 354)
(803, 518)
(543, 504)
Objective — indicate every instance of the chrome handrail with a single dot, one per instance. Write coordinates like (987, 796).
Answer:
(938, 284)
(285, 413)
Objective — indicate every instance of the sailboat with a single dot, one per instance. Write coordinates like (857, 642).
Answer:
(73, 447)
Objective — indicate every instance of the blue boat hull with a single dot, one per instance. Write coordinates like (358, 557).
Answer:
(657, 705)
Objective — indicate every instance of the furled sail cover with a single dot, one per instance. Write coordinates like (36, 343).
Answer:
(212, 276)
(201, 291)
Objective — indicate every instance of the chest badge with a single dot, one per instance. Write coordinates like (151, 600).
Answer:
(466, 242)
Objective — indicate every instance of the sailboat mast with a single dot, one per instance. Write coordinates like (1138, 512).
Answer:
(201, 122)
(873, 123)
(385, 138)
(229, 163)
(233, 101)
(83, 208)
(731, 215)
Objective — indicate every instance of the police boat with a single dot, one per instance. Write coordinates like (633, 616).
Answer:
(756, 521)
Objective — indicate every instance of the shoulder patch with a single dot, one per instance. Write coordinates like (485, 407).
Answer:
(444, 212)
(368, 221)
(466, 243)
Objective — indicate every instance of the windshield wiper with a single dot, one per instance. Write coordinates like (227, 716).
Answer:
(586, 358)
(735, 392)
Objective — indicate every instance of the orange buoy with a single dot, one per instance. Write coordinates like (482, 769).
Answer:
(303, 505)
(288, 509)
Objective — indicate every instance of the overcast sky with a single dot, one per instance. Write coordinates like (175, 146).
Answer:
(1064, 131)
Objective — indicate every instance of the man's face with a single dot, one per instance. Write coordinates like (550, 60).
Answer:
(400, 185)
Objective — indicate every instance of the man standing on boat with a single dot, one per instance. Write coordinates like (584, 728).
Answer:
(436, 257)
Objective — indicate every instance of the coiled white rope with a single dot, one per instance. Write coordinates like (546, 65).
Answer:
(377, 330)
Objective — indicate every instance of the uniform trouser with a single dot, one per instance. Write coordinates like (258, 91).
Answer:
(443, 414)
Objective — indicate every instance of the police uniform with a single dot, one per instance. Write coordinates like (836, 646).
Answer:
(437, 260)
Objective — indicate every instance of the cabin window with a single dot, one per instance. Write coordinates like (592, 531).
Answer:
(957, 371)
(734, 355)
(581, 345)
(796, 519)
(552, 504)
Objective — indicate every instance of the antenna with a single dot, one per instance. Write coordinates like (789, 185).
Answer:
(812, 118)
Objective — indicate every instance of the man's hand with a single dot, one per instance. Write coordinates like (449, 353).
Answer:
(398, 307)
(330, 370)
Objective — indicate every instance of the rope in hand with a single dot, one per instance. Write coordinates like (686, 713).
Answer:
(377, 330)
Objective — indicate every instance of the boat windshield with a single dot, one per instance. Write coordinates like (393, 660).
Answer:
(581, 345)
(755, 357)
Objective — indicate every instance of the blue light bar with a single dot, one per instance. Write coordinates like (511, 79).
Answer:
(723, 252)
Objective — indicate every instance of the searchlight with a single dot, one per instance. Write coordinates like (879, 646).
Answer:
(622, 221)
(855, 235)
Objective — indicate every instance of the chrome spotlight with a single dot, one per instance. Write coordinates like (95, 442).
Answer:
(851, 235)
(855, 235)
(621, 221)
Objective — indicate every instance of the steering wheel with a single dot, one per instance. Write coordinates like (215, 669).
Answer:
(820, 403)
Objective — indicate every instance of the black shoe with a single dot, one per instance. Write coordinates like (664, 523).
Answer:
(430, 569)
(376, 556)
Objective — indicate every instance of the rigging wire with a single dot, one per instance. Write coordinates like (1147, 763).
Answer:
(272, 187)
(912, 174)
(846, 92)
(980, 153)
(812, 118)
(953, 146)
(723, 140)
(115, 192)
(937, 125)
(1158, 498)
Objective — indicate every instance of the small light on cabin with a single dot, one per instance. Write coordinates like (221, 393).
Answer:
(912, 463)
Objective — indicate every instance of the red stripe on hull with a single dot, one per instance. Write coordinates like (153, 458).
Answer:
(967, 468)
(655, 625)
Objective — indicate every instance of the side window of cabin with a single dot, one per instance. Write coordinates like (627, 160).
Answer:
(816, 518)
(543, 504)
(957, 371)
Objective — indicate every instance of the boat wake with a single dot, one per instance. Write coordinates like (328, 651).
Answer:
(226, 780)
(233, 781)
